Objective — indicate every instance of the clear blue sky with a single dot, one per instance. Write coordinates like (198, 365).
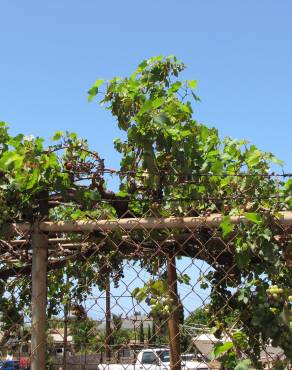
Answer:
(240, 51)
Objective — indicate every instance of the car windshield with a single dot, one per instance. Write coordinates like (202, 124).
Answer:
(188, 357)
(164, 356)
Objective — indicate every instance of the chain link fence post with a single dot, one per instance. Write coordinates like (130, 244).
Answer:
(39, 298)
(108, 330)
(173, 321)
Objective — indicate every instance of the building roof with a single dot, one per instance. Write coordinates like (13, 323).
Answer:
(57, 335)
(205, 343)
(59, 338)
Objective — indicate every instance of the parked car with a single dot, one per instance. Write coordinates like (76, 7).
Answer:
(9, 365)
(193, 357)
(22, 364)
(188, 357)
(154, 359)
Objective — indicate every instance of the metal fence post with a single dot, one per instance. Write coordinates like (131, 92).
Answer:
(108, 330)
(39, 299)
(173, 321)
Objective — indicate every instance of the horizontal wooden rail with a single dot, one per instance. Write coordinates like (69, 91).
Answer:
(128, 224)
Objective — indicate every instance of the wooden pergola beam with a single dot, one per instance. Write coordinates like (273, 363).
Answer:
(128, 224)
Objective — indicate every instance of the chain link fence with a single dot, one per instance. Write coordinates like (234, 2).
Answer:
(148, 291)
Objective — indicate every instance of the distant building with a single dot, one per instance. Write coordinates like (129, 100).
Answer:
(56, 341)
(130, 322)
(15, 345)
(204, 343)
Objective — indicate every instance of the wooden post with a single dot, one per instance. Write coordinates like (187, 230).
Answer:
(39, 299)
(173, 321)
(66, 312)
(108, 330)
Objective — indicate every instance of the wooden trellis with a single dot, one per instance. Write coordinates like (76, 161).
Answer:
(40, 244)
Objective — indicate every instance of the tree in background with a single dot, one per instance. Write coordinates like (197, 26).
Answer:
(84, 330)
(201, 316)
(153, 333)
(11, 321)
(117, 322)
(141, 333)
(149, 334)
(85, 334)
(197, 322)
(120, 337)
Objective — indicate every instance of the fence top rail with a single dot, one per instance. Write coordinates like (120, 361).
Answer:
(128, 224)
